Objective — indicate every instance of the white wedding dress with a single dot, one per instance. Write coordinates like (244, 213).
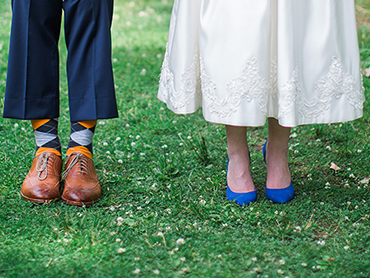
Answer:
(245, 60)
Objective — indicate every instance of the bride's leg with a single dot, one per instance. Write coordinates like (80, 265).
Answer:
(278, 173)
(238, 177)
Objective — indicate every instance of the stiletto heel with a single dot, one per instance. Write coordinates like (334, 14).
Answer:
(239, 198)
(282, 195)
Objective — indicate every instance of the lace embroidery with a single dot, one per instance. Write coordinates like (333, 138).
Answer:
(274, 91)
(289, 93)
(334, 85)
(250, 85)
(190, 88)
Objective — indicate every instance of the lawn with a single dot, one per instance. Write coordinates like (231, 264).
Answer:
(163, 211)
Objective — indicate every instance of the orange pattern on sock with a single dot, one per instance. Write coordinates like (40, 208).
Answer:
(88, 124)
(37, 123)
(80, 149)
(41, 150)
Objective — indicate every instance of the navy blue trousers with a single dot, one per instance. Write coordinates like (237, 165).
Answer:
(32, 89)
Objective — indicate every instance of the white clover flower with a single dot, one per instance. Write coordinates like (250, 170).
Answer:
(119, 221)
(254, 259)
(112, 208)
(304, 264)
(168, 228)
(16, 125)
(202, 202)
(281, 262)
(346, 247)
(156, 272)
(133, 144)
(321, 242)
(105, 144)
(180, 241)
(137, 271)
(142, 14)
(164, 146)
(143, 72)
(189, 137)
(159, 234)
(120, 161)
(279, 271)
(225, 225)
(183, 259)
(107, 152)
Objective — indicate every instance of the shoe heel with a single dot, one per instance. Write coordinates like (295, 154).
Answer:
(239, 198)
(282, 195)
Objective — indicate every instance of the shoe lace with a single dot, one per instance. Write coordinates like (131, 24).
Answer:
(45, 160)
(79, 160)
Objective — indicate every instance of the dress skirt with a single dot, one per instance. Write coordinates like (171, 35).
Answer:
(245, 60)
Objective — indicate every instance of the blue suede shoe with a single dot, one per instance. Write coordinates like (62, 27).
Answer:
(239, 198)
(282, 195)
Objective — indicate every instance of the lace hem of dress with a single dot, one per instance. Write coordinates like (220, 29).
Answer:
(190, 83)
(250, 85)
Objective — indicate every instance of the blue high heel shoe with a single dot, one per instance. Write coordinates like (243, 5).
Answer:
(239, 198)
(282, 195)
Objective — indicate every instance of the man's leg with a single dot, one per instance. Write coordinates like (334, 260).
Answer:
(91, 92)
(32, 90)
(89, 64)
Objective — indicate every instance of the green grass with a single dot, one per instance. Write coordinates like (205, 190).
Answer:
(163, 179)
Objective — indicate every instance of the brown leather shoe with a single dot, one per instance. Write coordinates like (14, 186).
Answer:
(81, 185)
(41, 184)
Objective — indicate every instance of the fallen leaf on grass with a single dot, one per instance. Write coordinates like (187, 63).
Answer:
(334, 167)
(365, 180)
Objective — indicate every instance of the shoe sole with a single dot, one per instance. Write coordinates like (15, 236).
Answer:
(78, 203)
(38, 201)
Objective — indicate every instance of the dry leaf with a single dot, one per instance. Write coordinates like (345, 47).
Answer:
(365, 180)
(334, 167)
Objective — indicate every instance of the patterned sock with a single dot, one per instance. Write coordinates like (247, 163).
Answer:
(80, 141)
(46, 134)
